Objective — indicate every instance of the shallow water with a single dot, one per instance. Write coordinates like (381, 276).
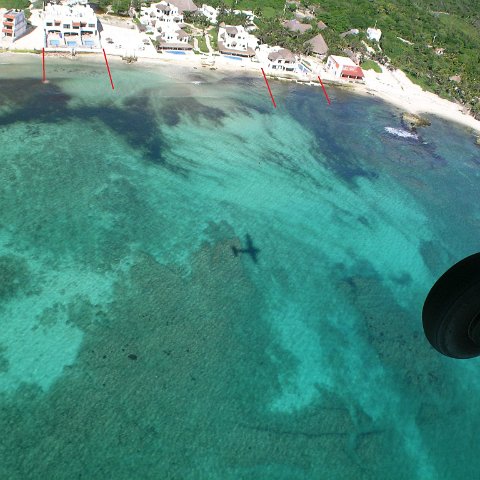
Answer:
(135, 344)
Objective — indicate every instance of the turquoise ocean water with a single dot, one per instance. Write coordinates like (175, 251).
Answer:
(135, 345)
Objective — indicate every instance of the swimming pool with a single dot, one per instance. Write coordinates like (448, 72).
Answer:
(303, 68)
(231, 57)
(176, 52)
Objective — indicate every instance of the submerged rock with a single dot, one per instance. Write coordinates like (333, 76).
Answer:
(477, 141)
(413, 121)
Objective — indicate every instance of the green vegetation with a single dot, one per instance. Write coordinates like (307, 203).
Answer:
(119, 7)
(197, 19)
(232, 19)
(444, 37)
(18, 4)
(267, 8)
(371, 65)
(214, 37)
(202, 44)
(271, 31)
(442, 44)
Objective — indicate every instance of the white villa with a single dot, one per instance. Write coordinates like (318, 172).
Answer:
(281, 59)
(234, 40)
(170, 39)
(167, 11)
(14, 24)
(163, 12)
(166, 18)
(210, 12)
(344, 67)
(71, 27)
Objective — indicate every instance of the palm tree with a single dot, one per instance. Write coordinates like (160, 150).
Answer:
(307, 49)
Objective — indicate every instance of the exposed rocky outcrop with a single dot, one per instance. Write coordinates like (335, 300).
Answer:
(412, 121)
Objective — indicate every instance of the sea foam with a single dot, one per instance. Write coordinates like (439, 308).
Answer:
(400, 132)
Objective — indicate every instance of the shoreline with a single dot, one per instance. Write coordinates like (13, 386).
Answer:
(393, 88)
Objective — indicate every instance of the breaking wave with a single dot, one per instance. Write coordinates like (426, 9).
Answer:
(400, 132)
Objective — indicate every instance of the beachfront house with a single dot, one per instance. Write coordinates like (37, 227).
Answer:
(344, 67)
(160, 13)
(171, 11)
(72, 27)
(166, 11)
(14, 24)
(166, 19)
(170, 39)
(318, 46)
(235, 40)
(210, 12)
(281, 59)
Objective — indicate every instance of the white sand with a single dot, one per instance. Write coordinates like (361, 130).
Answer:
(392, 87)
(396, 88)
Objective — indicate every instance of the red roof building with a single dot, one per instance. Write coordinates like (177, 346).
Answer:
(352, 72)
(343, 67)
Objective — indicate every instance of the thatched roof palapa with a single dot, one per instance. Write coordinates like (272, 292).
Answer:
(184, 5)
(319, 46)
(296, 26)
(282, 54)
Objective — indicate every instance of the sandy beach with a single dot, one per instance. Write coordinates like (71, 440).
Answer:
(122, 39)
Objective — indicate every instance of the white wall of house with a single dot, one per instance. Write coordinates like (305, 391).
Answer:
(210, 12)
(335, 64)
(235, 41)
(14, 24)
(339, 66)
(282, 64)
(163, 12)
(374, 34)
(77, 24)
(240, 40)
(174, 36)
(164, 17)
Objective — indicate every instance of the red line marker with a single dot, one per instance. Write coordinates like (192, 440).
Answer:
(44, 78)
(269, 90)
(324, 91)
(108, 68)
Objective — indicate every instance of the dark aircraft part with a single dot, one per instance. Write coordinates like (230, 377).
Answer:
(235, 251)
(451, 313)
